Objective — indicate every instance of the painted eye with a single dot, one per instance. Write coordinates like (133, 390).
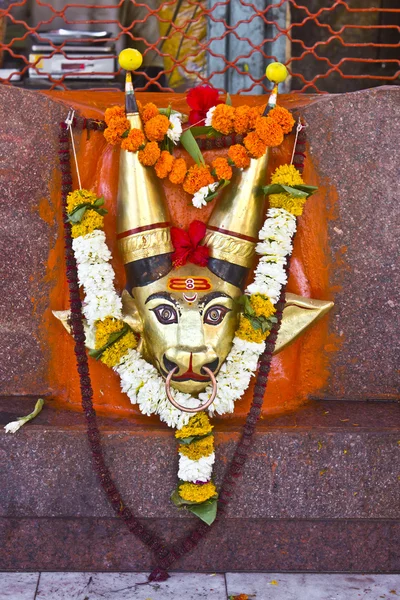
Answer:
(215, 314)
(165, 314)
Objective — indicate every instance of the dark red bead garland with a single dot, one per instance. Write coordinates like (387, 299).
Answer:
(165, 554)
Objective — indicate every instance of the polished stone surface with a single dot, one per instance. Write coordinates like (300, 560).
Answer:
(290, 586)
(336, 545)
(326, 461)
(29, 145)
(352, 144)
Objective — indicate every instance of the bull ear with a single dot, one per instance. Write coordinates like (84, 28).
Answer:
(64, 317)
(298, 315)
(130, 312)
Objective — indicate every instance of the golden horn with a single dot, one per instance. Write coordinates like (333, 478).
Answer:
(143, 227)
(232, 230)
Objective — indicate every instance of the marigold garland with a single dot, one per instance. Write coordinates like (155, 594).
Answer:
(91, 220)
(198, 448)
(223, 119)
(105, 328)
(241, 122)
(134, 140)
(150, 154)
(260, 133)
(287, 175)
(148, 111)
(283, 117)
(78, 197)
(156, 128)
(178, 171)
(193, 492)
(239, 156)
(221, 168)
(197, 177)
(262, 305)
(255, 146)
(269, 131)
(198, 425)
(247, 332)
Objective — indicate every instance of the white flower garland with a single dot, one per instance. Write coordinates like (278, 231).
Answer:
(140, 380)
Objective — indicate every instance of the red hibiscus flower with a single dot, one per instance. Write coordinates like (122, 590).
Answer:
(201, 99)
(187, 245)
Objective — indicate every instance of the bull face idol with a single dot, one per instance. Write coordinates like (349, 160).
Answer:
(188, 320)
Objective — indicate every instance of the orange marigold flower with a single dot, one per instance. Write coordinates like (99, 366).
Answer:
(134, 140)
(148, 111)
(255, 146)
(269, 131)
(223, 118)
(164, 164)
(197, 177)
(114, 112)
(283, 117)
(222, 168)
(156, 128)
(178, 171)
(254, 113)
(239, 156)
(241, 122)
(150, 154)
(113, 135)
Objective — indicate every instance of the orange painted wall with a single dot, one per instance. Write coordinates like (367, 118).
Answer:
(298, 372)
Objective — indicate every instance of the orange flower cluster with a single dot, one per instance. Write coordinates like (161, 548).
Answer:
(178, 171)
(260, 132)
(134, 140)
(148, 111)
(222, 169)
(197, 177)
(117, 124)
(223, 118)
(156, 128)
(164, 164)
(239, 156)
(283, 117)
(150, 154)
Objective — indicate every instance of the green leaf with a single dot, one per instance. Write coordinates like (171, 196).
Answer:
(125, 134)
(191, 146)
(206, 511)
(193, 438)
(228, 100)
(99, 202)
(77, 215)
(307, 188)
(294, 192)
(113, 337)
(204, 130)
(298, 191)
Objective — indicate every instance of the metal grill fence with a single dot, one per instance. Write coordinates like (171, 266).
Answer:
(327, 45)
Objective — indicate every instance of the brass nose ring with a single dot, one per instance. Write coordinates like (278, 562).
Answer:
(183, 408)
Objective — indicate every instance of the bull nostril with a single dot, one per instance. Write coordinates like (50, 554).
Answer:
(169, 365)
(213, 366)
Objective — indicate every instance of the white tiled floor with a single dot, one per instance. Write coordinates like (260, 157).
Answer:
(195, 586)
(297, 586)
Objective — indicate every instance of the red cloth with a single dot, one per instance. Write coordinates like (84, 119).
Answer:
(187, 245)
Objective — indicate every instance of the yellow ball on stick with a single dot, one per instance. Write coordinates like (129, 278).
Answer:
(276, 72)
(130, 59)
